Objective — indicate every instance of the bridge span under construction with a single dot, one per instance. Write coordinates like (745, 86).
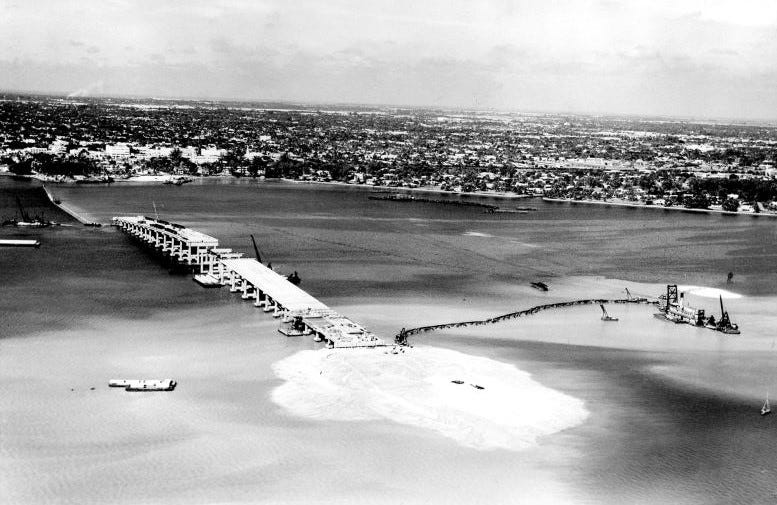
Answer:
(300, 313)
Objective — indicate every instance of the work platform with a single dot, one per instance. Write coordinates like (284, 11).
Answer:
(268, 289)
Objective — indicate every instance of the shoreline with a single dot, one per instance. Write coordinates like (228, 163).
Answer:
(433, 191)
(392, 189)
(657, 207)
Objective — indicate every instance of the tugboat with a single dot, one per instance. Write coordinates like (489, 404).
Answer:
(294, 278)
(295, 328)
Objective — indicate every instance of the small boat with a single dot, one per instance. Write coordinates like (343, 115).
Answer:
(207, 281)
(605, 315)
(539, 285)
(457, 382)
(766, 409)
(295, 328)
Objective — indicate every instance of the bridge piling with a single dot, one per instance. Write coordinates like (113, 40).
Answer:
(188, 249)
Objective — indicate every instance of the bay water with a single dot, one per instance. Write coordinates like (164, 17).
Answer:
(674, 409)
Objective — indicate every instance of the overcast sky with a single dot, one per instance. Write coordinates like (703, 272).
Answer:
(656, 57)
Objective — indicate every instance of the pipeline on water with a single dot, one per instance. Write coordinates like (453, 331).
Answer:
(401, 338)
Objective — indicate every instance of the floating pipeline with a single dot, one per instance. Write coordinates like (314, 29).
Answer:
(401, 338)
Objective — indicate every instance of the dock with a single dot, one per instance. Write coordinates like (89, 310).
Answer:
(255, 282)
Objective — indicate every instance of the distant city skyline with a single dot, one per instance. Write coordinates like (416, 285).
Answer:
(702, 59)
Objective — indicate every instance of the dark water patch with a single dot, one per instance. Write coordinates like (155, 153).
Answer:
(650, 439)
(33, 200)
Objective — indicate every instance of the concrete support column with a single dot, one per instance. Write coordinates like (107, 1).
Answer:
(244, 289)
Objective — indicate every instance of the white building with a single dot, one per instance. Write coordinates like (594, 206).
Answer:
(59, 146)
(117, 150)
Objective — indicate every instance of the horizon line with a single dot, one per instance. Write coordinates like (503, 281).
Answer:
(550, 112)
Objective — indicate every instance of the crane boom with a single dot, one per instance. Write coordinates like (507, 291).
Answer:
(256, 249)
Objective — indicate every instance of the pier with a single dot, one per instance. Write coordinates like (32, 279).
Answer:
(299, 312)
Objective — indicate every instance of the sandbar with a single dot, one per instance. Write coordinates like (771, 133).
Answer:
(415, 387)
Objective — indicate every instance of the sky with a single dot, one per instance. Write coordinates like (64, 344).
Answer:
(680, 58)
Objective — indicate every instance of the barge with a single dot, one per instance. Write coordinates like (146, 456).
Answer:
(20, 243)
(143, 384)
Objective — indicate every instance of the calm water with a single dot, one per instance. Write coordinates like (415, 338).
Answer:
(653, 436)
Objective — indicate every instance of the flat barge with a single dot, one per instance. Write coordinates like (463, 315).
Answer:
(19, 243)
(143, 384)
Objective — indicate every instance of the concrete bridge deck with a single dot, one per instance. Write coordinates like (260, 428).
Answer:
(273, 284)
(269, 290)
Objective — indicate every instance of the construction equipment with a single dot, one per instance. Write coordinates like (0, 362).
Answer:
(605, 315)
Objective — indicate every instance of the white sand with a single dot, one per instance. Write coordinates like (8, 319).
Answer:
(415, 388)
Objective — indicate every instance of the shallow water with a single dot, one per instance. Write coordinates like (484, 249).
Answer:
(673, 409)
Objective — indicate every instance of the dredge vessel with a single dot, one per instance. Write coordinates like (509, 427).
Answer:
(672, 308)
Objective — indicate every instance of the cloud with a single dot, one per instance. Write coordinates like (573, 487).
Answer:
(696, 57)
